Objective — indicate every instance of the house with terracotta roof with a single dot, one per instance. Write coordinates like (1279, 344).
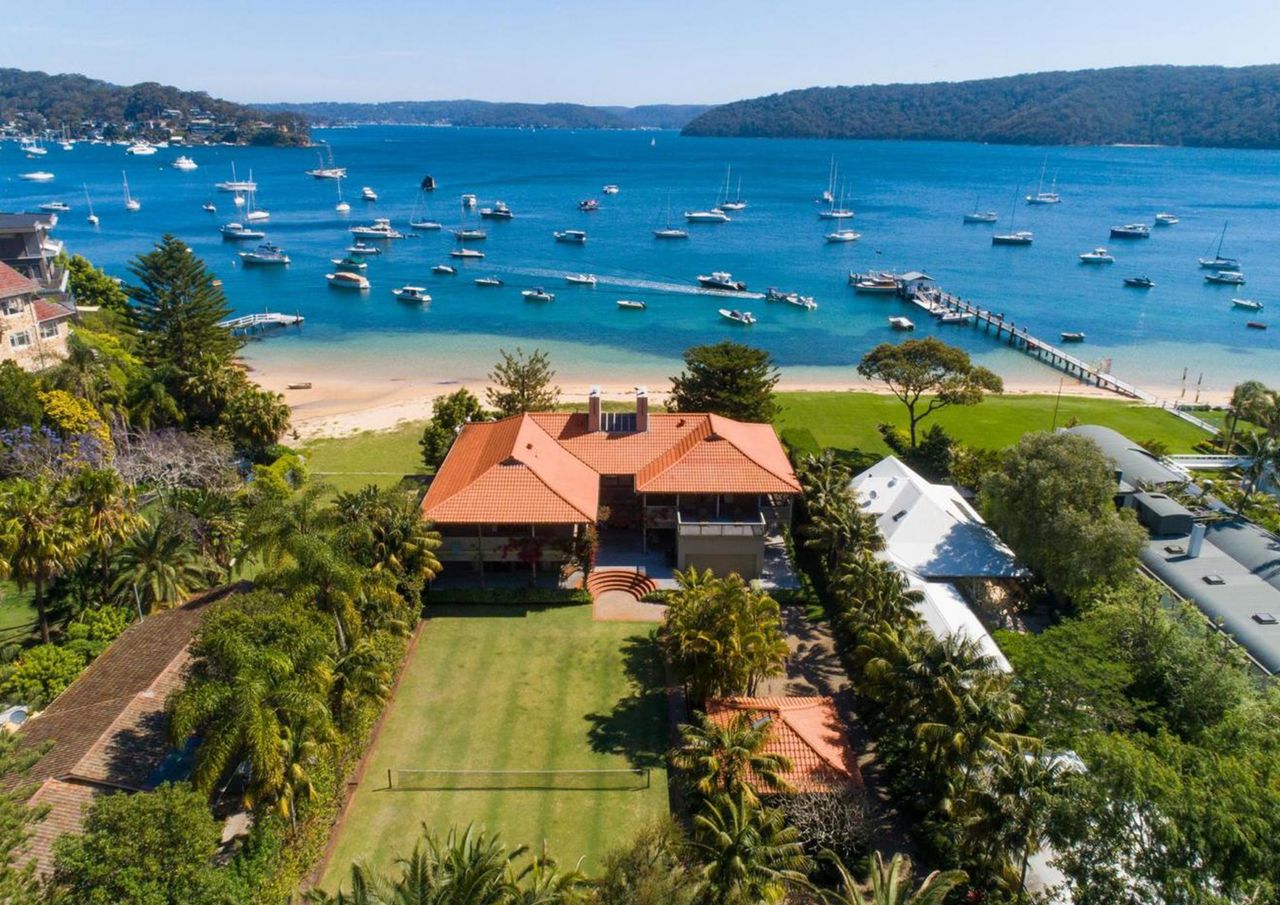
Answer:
(33, 328)
(106, 732)
(808, 731)
(699, 490)
(27, 245)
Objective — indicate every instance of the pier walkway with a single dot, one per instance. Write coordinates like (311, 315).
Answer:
(251, 323)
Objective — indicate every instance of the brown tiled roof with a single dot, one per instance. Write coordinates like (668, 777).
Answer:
(545, 467)
(13, 283)
(106, 731)
(808, 731)
(51, 311)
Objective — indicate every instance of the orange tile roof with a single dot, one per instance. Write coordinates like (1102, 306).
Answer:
(51, 311)
(511, 471)
(13, 283)
(679, 453)
(808, 731)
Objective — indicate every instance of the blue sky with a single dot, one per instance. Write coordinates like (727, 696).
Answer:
(612, 51)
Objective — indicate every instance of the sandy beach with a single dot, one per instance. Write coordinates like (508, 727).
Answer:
(339, 404)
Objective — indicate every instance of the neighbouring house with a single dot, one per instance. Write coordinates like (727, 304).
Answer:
(26, 245)
(700, 490)
(1224, 564)
(936, 539)
(808, 731)
(33, 328)
(106, 732)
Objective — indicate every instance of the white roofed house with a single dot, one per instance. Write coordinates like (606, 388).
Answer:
(936, 538)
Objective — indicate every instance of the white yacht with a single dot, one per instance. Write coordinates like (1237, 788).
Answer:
(368, 194)
(255, 214)
(580, 279)
(1225, 278)
(36, 176)
(55, 207)
(722, 280)
(467, 253)
(610, 189)
(1041, 196)
(381, 229)
(237, 185)
(468, 200)
(843, 235)
(715, 215)
(1218, 262)
(140, 149)
(571, 236)
(901, 323)
(981, 217)
(670, 232)
(1097, 256)
(538, 294)
(1131, 231)
(345, 279)
(1018, 237)
(185, 163)
(462, 234)
(416, 294)
(265, 255)
(1164, 218)
(745, 318)
(130, 203)
(92, 218)
(329, 171)
(32, 148)
(238, 232)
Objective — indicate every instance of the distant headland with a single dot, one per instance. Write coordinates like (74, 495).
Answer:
(1200, 106)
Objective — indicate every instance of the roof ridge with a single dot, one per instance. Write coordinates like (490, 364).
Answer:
(532, 422)
(676, 451)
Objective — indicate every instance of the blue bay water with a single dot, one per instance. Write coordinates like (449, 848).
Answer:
(909, 198)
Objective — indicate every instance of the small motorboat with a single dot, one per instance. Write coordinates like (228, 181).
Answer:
(490, 282)
(1225, 278)
(715, 215)
(470, 235)
(1097, 256)
(209, 208)
(185, 163)
(368, 194)
(238, 232)
(424, 225)
(745, 318)
(499, 211)
(1139, 282)
(981, 217)
(36, 176)
(898, 322)
(1164, 218)
(580, 279)
(466, 253)
(444, 270)
(416, 294)
(1131, 231)
(300, 385)
(588, 205)
(670, 232)
(468, 201)
(265, 255)
(55, 207)
(571, 236)
(344, 279)
(791, 298)
(363, 249)
(843, 235)
(955, 318)
(722, 280)
(1250, 304)
(1021, 237)
(631, 305)
(428, 183)
(1072, 337)
(381, 229)
(1255, 325)
(351, 263)
(874, 282)
(538, 294)
(610, 189)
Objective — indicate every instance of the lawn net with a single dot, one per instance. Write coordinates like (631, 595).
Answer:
(617, 780)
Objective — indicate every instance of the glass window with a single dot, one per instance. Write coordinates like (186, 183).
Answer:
(20, 340)
(49, 330)
(9, 307)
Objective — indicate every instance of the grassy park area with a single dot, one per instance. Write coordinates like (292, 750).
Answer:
(513, 688)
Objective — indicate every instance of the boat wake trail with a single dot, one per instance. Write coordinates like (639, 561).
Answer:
(629, 282)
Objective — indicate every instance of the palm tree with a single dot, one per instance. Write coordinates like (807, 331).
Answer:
(834, 525)
(541, 882)
(873, 592)
(40, 536)
(467, 868)
(720, 757)
(320, 575)
(890, 884)
(1262, 451)
(366, 889)
(361, 676)
(109, 515)
(747, 853)
(1247, 399)
(218, 522)
(384, 531)
(257, 701)
(159, 567)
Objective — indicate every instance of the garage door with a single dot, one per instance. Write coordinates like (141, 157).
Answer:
(724, 563)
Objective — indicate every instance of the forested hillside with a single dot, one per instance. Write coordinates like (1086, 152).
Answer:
(36, 101)
(1209, 106)
(502, 115)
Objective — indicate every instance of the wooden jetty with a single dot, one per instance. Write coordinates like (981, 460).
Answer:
(253, 323)
(1018, 338)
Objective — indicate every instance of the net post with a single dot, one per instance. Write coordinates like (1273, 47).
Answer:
(389, 778)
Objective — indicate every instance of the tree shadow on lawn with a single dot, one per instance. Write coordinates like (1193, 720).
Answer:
(636, 727)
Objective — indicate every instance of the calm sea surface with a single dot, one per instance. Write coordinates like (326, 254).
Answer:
(909, 199)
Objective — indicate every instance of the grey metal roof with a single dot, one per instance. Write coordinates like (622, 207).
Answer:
(1161, 504)
(24, 222)
(1136, 464)
(1237, 593)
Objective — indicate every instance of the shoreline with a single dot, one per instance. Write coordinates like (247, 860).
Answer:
(338, 405)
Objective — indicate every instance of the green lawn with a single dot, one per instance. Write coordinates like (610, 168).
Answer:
(848, 421)
(17, 615)
(508, 688)
(372, 457)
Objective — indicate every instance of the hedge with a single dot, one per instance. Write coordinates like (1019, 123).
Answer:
(505, 597)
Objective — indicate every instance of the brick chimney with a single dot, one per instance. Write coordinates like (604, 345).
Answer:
(593, 410)
(642, 409)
